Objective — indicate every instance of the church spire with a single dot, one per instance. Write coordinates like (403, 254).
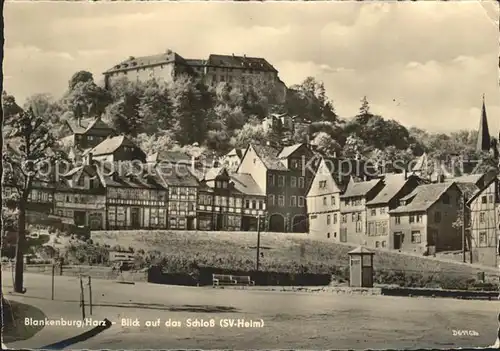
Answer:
(483, 137)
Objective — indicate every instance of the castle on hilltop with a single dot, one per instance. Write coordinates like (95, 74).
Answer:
(232, 69)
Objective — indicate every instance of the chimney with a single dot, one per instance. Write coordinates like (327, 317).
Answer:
(406, 173)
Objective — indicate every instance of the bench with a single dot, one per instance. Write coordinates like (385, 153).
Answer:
(223, 279)
(243, 280)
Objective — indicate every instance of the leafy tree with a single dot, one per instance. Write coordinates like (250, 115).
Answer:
(364, 110)
(123, 112)
(191, 104)
(84, 98)
(218, 140)
(309, 99)
(80, 77)
(326, 145)
(158, 142)
(50, 110)
(353, 147)
(154, 110)
(10, 107)
(250, 133)
(29, 149)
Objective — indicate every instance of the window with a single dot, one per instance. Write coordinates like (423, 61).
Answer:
(294, 164)
(377, 243)
(293, 182)
(301, 182)
(416, 237)
(382, 210)
(481, 217)
(254, 204)
(344, 218)
(491, 199)
(293, 201)
(397, 219)
(328, 219)
(322, 184)
(247, 203)
(333, 200)
(353, 217)
(271, 200)
(412, 218)
(281, 181)
(261, 205)
(334, 218)
(324, 201)
(301, 201)
(384, 243)
(90, 138)
(419, 218)
(484, 199)
(371, 229)
(358, 227)
(483, 239)
(281, 201)
(446, 199)
(373, 212)
(328, 235)
(437, 217)
(271, 179)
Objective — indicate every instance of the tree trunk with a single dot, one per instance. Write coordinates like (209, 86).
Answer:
(20, 246)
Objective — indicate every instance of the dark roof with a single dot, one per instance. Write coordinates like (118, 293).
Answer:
(215, 172)
(480, 190)
(242, 62)
(343, 170)
(360, 188)
(129, 177)
(147, 61)
(483, 135)
(245, 183)
(170, 156)
(177, 175)
(196, 62)
(393, 183)
(111, 144)
(85, 124)
(288, 150)
(269, 157)
(423, 197)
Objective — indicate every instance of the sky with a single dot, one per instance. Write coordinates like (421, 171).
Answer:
(424, 64)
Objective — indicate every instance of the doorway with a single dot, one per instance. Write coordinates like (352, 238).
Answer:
(398, 240)
(135, 218)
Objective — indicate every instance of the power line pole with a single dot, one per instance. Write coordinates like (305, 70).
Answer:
(463, 227)
(258, 243)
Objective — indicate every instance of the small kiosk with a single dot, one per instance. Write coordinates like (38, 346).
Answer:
(361, 268)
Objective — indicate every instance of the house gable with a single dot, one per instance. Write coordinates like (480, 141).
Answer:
(323, 174)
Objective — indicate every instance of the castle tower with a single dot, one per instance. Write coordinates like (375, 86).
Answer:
(483, 137)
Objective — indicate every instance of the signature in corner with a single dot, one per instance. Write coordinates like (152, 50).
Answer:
(465, 333)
